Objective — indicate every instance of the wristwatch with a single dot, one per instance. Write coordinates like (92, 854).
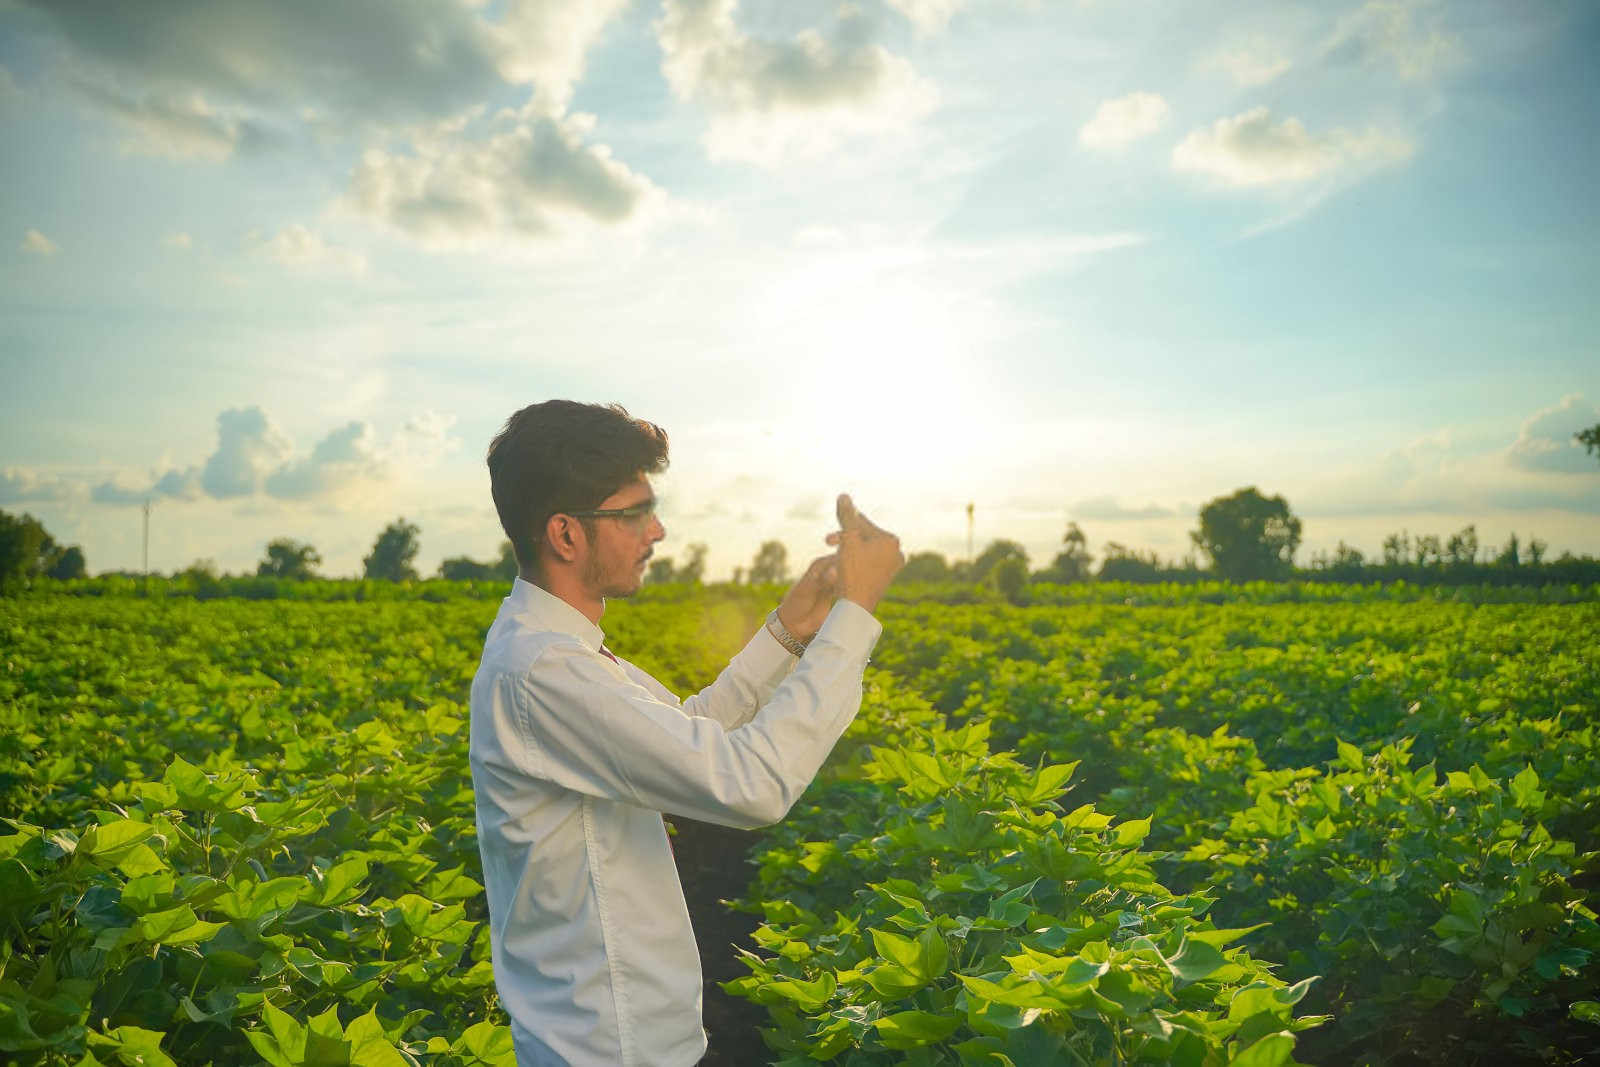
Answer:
(789, 641)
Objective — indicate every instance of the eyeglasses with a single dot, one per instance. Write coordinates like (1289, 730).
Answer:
(637, 515)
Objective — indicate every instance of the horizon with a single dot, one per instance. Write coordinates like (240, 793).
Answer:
(285, 270)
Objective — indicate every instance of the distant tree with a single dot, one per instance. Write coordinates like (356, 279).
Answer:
(1590, 439)
(27, 551)
(70, 564)
(507, 567)
(1397, 549)
(991, 556)
(200, 568)
(664, 570)
(466, 569)
(393, 553)
(1010, 577)
(771, 564)
(1120, 563)
(1511, 554)
(1072, 563)
(924, 567)
(1462, 548)
(1430, 550)
(660, 571)
(1248, 536)
(288, 558)
(1536, 551)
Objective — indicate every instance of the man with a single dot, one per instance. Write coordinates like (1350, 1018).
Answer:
(575, 752)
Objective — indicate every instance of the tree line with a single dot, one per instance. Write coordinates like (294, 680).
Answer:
(1245, 536)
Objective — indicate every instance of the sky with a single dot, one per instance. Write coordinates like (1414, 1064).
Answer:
(284, 269)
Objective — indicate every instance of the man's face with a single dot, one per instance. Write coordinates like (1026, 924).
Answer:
(621, 547)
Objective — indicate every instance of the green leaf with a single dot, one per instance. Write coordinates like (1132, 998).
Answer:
(131, 1046)
(1270, 1051)
(1132, 832)
(1586, 1011)
(913, 1029)
(369, 1046)
(341, 884)
(110, 842)
(1196, 960)
(1350, 755)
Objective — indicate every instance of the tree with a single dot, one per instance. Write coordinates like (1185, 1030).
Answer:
(1397, 549)
(1590, 439)
(1072, 563)
(70, 565)
(1536, 551)
(393, 553)
(1123, 564)
(507, 566)
(771, 563)
(991, 556)
(1249, 537)
(1010, 577)
(288, 558)
(1462, 548)
(27, 551)
(663, 570)
(924, 567)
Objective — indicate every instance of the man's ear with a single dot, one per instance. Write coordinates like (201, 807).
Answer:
(565, 537)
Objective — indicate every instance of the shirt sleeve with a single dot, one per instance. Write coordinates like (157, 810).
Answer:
(584, 725)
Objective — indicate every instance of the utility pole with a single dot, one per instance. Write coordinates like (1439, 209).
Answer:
(969, 531)
(147, 537)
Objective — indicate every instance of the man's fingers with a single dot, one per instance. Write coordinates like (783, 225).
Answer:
(833, 538)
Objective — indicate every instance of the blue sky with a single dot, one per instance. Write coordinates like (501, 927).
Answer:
(284, 269)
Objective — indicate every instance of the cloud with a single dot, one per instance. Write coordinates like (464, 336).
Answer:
(1542, 469)
(1250, 149)
(928, 16)
(771, 100)
(1251, 62)
(19, 485)
(298, 248)
(178, 240)
(177, 126)
(1106, 509)
(1547, 439)
(533, 180)
(37, 243)
(808, 509)
(544, 42)
(1120, 122)
(255, 459)
(1407, 35)
(10, 93)
(375, 60)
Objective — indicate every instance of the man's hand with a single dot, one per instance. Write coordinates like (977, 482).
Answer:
(808, 602)
(869, 556)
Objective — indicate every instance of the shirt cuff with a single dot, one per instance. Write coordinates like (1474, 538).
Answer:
(851, 627)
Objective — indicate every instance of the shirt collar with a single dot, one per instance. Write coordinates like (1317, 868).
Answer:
(553, 613)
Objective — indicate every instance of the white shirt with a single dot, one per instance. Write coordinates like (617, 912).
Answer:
(574, 757)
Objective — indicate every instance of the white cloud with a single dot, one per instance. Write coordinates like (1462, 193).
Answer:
(772, 100)
(1107, 509)
(299, 248)
(1251, 62)
(1547, 439)
(180, 240)
(1251, 149)
(1407, 35)
(254, 459)
(1121, 121)
(544, 42)
(37, 243)
(370, 60)
(928, 16)
(19, 485)
(533, 180)
(176, 125)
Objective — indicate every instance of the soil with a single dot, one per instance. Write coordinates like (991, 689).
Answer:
(712, 867)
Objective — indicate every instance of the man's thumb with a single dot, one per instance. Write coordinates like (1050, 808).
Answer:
(846, 508)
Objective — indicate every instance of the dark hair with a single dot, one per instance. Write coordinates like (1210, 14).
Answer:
(565, 456)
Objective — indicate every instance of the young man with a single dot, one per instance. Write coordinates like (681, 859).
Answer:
(575, 752)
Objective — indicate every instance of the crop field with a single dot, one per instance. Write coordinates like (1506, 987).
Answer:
(1192, 825)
